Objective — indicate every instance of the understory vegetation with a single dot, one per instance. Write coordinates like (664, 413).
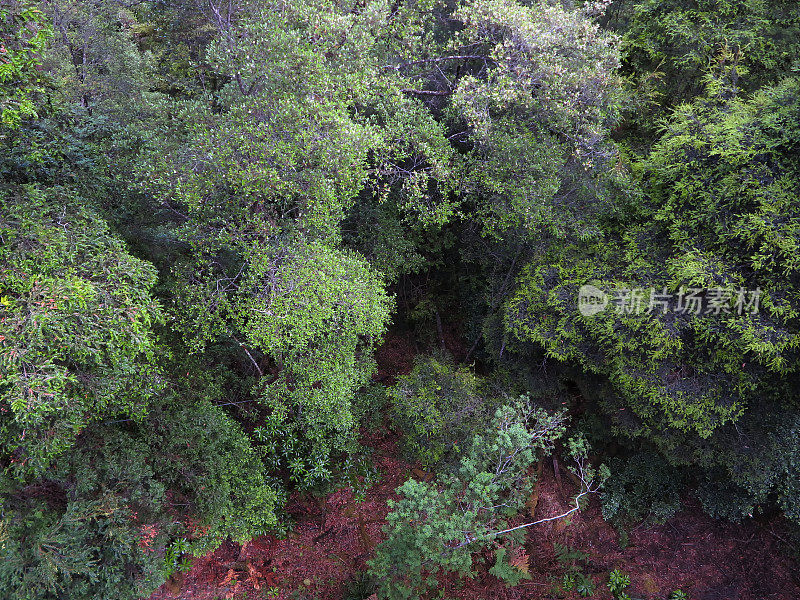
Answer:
(212, 213)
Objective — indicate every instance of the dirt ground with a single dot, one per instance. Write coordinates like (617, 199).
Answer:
(708, 559)
(335, 536)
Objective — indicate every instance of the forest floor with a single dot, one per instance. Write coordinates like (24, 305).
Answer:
(334, 536)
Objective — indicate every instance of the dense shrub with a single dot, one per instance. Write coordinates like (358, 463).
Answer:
(106, 521)
(437, 407)
(643, 486)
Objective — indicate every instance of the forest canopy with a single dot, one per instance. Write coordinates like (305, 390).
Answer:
(212, 213)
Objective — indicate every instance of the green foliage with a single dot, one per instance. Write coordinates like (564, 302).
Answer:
(538, 116)
(390, 244)
(316, 313)
(310, 120)
(565, 79)
(283, 166)
(678, 595)
(502, 569)
(75, 325)
(635, 352)
(369, 404)
(94, 60)
(617, 582)
(102, 522)
(680, 40)
(570, 559)
(357, 471)
(82, 551)
(217, 470)
(718, 214)
(725, 500)
(642, 487)
(360, 587)
(319, 116)
(25, 34)
(584, 585)
(733, 159)
(437, 406)
(435, 527)
(175, 558)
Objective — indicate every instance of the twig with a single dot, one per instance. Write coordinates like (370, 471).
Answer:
(776, 536)
(253, 360)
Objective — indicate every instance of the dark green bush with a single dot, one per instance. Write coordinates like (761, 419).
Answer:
(129, 504)
(643, 486)
(725, 500)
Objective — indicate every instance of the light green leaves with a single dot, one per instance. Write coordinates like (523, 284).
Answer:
(24, 37)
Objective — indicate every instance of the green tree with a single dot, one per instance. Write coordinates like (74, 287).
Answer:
(671, 47)
(718, 215)
(102, 521)
(75, 332)
(436, 527)
(437, 406)
(24, 37)
(95, 59)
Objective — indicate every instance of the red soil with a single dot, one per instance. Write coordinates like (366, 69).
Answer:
(708, 559)
(395, 357)
(333, 539)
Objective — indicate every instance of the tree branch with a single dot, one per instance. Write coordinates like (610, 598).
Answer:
(250, 356)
